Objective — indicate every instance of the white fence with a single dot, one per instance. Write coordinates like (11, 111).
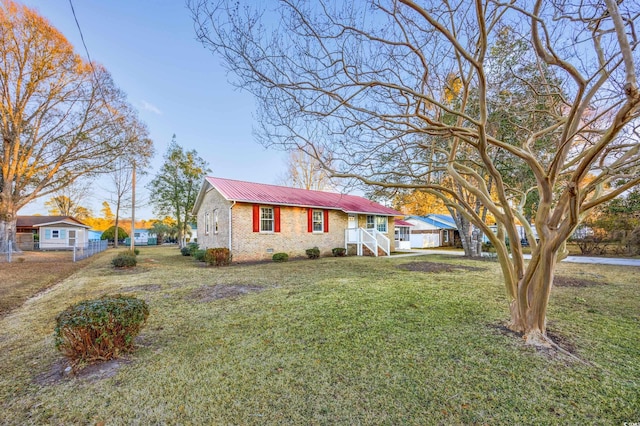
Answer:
(425, 240)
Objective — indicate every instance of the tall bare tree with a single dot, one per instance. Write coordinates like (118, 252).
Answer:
(371, 85)
(61, 118)
(122, 175)
(68, 201)
(305, 171)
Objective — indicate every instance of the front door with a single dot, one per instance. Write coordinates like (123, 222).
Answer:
(72, 238)
(352, 226)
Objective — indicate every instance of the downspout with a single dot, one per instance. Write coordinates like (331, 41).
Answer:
(230, 229)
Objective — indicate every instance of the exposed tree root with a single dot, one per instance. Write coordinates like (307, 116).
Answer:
(541, 341)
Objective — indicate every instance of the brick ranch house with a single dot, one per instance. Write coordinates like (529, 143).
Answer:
(256, 220)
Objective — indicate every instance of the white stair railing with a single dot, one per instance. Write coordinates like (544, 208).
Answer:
(383, 242)
(370, 238)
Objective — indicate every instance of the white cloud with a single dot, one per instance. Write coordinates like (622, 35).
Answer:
(151, 107)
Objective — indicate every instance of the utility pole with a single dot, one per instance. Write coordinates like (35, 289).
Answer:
(133, 208)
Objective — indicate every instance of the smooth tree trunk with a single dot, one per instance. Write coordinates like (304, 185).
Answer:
(530, 293)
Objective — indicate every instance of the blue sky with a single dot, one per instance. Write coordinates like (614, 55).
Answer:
(177, 85)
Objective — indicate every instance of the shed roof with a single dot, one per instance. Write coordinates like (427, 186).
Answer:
(250, 192)
(35, 221)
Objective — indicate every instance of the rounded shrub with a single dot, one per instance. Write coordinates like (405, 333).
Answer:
(200, 255)
(280, 257)
(125, 260)
(218, 256)
(189, 249)
(339, 251)
(110, 234)
(313, 253)
(100, 329)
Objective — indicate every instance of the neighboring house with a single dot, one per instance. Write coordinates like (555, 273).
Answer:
(54, 232)
(522, 233)
(432, 230)
(142, 237)
(256, 220)
(403, 234)
(194, 233)
(94, 235)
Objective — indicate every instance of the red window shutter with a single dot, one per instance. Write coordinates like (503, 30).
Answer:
(309, 220)
(326, 221)
(276, 218)
(256, 218)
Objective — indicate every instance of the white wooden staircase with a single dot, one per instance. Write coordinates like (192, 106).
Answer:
(372, 239)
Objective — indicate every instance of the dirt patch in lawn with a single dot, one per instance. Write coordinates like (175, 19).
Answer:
(36, 272)
(145, 287)
(61, 371)
(562, 281)
(434, 267)
(210, 293)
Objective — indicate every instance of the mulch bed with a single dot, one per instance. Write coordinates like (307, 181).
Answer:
(434, 267)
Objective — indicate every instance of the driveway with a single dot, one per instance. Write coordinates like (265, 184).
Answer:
(572, 259)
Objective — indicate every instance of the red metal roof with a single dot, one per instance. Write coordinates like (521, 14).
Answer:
(249, 192)
(400, 222)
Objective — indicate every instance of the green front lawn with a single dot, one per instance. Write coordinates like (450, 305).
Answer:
(334, 340)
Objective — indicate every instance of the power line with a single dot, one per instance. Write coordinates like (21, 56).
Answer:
(93, 70)
(73, 11)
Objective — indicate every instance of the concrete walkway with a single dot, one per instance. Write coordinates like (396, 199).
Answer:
(572, 259)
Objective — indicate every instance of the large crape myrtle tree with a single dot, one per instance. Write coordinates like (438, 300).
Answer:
(505, 106)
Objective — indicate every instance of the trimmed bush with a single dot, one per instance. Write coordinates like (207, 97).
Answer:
(100, 329)
(125, 260)
(110, 234)
(218, 256)
(339, 251)
(200, 255)
(313, 253)
(189, 249)
(280, 257)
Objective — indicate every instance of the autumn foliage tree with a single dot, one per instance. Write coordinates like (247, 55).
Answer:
(372, 85)
(61, 118)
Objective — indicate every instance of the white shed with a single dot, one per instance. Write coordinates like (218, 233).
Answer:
(63, 234)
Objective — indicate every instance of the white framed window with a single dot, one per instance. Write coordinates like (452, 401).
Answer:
(206, 223)
(381, 223)
(371, 221)
(266, 219)
(55, 233)
(446, 236)
(318, 221)
(215, 221)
